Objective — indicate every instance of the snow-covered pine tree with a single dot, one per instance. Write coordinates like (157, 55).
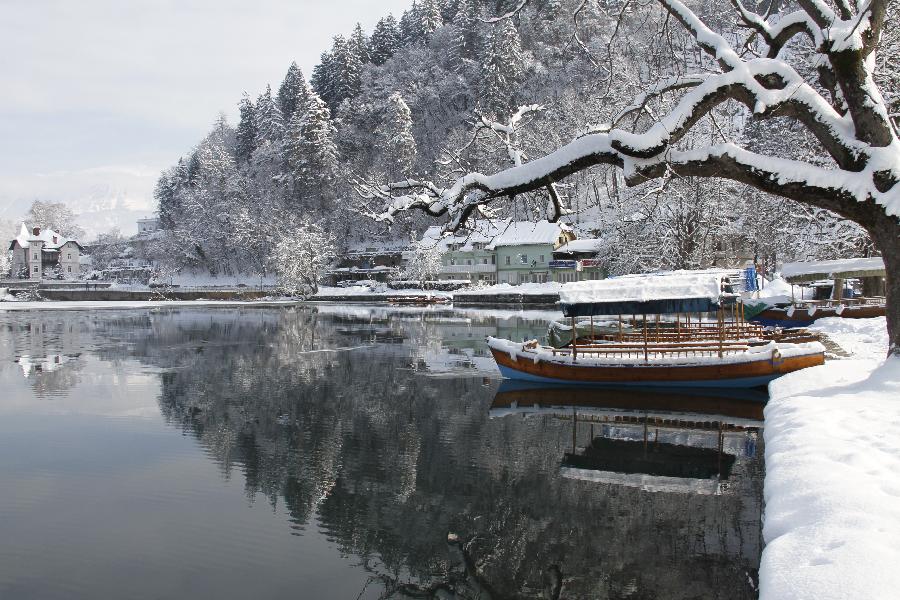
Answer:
(245, 142)
(397, 145)
(502, 68)
(269, 121)
(347, 70)
(449, 8)
(431, 18)
(167, 205)
(385, 40)
(411, 26)
(359, 43)
(323, 78)
(289, 91)
(465, 40)
(311, 151)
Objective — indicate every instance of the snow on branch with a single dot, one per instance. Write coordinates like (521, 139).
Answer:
(767, 86)
(507, 15)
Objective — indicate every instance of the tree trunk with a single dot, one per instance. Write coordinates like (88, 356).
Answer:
(886, 235)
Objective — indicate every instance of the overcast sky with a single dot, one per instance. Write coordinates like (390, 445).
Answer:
(99, 95)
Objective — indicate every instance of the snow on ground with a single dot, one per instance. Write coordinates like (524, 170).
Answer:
(375, 291)
(832, 488)
(128, 304)
(192, 279)
(522, 288)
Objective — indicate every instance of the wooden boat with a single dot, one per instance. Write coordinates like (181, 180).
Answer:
(804, 314)
(711, 354)
(792, 312)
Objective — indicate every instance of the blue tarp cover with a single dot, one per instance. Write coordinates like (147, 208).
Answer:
(635, 307)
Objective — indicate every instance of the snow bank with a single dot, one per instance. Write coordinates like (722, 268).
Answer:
(506, 288)
(832, 488)
(375, 291)
(778, 287)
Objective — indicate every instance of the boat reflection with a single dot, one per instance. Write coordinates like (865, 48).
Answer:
(688, 441)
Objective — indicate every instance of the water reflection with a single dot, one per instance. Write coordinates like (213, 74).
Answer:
(383, 430)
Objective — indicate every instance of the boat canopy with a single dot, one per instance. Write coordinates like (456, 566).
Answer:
(802, 272)
(672, 292)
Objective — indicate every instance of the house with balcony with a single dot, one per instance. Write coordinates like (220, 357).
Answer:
(466, 255)
(577, 261)
(37, 254)
(524, 250)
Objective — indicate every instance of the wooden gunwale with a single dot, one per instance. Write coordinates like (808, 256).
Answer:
(635, 373)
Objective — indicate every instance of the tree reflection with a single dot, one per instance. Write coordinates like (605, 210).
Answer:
(388, 460)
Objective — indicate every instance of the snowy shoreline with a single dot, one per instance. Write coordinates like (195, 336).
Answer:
(832, 485)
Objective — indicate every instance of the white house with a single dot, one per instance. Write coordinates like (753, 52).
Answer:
(148, 225)
(37, 253)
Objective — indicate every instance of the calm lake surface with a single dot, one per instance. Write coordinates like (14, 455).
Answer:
(328, 451)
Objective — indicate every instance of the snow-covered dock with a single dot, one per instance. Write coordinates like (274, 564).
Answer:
(832, 488)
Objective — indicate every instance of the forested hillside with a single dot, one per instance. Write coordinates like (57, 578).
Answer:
(437, 93)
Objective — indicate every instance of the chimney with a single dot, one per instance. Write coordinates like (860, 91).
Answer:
(36, 231)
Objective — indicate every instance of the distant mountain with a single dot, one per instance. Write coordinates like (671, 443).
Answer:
(103, 197)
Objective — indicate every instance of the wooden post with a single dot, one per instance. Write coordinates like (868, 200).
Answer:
(646, 359)
(721, 315)
(657, 328)
(574, 428)
(574, 341)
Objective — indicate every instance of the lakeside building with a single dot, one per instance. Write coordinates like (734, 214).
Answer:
(511, 252)
(577, 261)
(372, 260)
(38, 254)
(525, 249)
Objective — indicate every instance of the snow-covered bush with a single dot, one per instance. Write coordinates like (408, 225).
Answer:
(424, 261)
(300, 256)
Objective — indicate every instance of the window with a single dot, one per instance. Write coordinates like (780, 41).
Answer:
(478, 246)
(493, 259)
(523, 259)
(469, 261)
(35, 269)
(507, 260)
(70, 269)
(484, 261)
(452, 261)
(69, 256)
(542, 258)
(34, 256)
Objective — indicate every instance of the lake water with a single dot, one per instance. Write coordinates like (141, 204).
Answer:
(329, 451)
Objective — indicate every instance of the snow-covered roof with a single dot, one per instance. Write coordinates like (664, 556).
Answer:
(377, 246)
(498, 233)
(52, 240)
(585, 245)
(519, 233)
(797, 272)
(675, 291)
